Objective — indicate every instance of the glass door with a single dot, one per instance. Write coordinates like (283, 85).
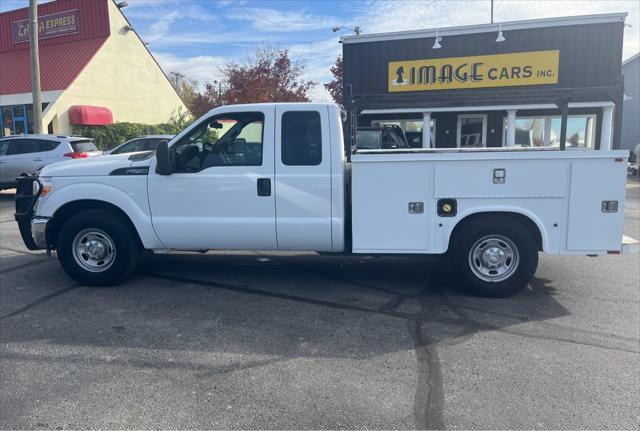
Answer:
(19, 120)
(472, 131)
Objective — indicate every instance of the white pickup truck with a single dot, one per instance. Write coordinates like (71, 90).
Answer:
(277, 177)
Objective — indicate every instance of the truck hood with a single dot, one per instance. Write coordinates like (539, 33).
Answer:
(97, 166)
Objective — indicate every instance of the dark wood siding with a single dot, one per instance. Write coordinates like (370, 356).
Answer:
(589, 69)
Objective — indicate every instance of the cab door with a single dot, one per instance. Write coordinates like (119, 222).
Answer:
(303, 178)
(220, 193)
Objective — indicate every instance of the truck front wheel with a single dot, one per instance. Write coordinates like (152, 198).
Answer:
(97, 248)
(494, 256)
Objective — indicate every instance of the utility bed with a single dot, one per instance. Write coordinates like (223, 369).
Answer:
(562, 192)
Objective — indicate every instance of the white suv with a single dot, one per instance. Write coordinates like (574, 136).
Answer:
(24, 155)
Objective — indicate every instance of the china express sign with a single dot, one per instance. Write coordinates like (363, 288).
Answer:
(500, 70)
(57, 24)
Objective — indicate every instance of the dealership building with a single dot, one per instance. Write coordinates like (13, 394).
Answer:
(95, 70)
(492, 85)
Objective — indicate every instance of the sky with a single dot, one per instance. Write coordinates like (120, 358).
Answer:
(197, 37)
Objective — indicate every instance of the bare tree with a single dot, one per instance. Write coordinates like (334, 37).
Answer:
(185, 87)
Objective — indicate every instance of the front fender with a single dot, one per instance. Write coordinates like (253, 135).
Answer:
(133, 203)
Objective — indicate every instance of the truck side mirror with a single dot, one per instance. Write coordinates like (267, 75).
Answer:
(163, 165)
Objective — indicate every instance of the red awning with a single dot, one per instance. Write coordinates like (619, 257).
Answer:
(84, 115)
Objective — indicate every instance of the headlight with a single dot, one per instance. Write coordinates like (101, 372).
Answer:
(35, 188)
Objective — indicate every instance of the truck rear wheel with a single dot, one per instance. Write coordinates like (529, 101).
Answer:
(97, 248)
(495, 256)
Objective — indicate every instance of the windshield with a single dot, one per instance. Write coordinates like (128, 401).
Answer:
(143, 144)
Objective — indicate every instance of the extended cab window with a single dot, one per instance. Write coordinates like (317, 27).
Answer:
(301, 138)
(225, 140)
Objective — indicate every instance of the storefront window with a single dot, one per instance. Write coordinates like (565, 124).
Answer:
(18, 110)
(17, 119)
(545, 131)
(19, 128)
(472, 130)
(579, 132)
(7, 121)
(530, 132)
(412, 130)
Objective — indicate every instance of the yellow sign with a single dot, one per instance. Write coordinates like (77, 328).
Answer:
(480, 71)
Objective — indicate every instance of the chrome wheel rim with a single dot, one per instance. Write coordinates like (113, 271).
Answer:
(493, 258)
(93, 250)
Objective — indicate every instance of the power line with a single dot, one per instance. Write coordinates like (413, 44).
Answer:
(266, 20)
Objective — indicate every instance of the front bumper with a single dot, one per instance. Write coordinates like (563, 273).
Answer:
(39, 231)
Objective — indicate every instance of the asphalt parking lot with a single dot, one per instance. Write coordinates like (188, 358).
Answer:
(253, 340)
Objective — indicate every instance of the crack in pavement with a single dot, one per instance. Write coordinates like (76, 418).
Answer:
(39, 301)
(204, 370)
(428, 405)
(429, 395)
(428, 409)
(444, 300)
(15, 250)
(265, 293)
(22, 266)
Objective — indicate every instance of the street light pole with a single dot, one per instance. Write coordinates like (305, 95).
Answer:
(35, 66)
(357, 30)
(491, 11)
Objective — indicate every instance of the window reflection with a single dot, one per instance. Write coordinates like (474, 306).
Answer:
(544, 131)
(412, 130)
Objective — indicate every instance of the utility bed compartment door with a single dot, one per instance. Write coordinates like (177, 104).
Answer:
(521, 179)
(381, 195)
(594, 181)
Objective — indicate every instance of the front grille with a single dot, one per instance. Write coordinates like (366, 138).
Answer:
(25, 198)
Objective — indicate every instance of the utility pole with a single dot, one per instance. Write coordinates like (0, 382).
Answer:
(35, 66)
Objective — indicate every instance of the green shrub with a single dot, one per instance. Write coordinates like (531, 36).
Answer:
(108, 137)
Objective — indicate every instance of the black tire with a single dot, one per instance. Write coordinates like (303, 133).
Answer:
(109, 228)
(495, 235)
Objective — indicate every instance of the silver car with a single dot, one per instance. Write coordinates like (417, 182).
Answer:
(25, 154)
(143, 143)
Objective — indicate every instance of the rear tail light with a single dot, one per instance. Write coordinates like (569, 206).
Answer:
(76, 155)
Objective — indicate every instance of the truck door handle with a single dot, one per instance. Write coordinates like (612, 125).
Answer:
(37, 160)
(264, 186)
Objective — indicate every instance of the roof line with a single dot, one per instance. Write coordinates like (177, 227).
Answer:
(474, 108)
(630, 59)
(480, 28)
